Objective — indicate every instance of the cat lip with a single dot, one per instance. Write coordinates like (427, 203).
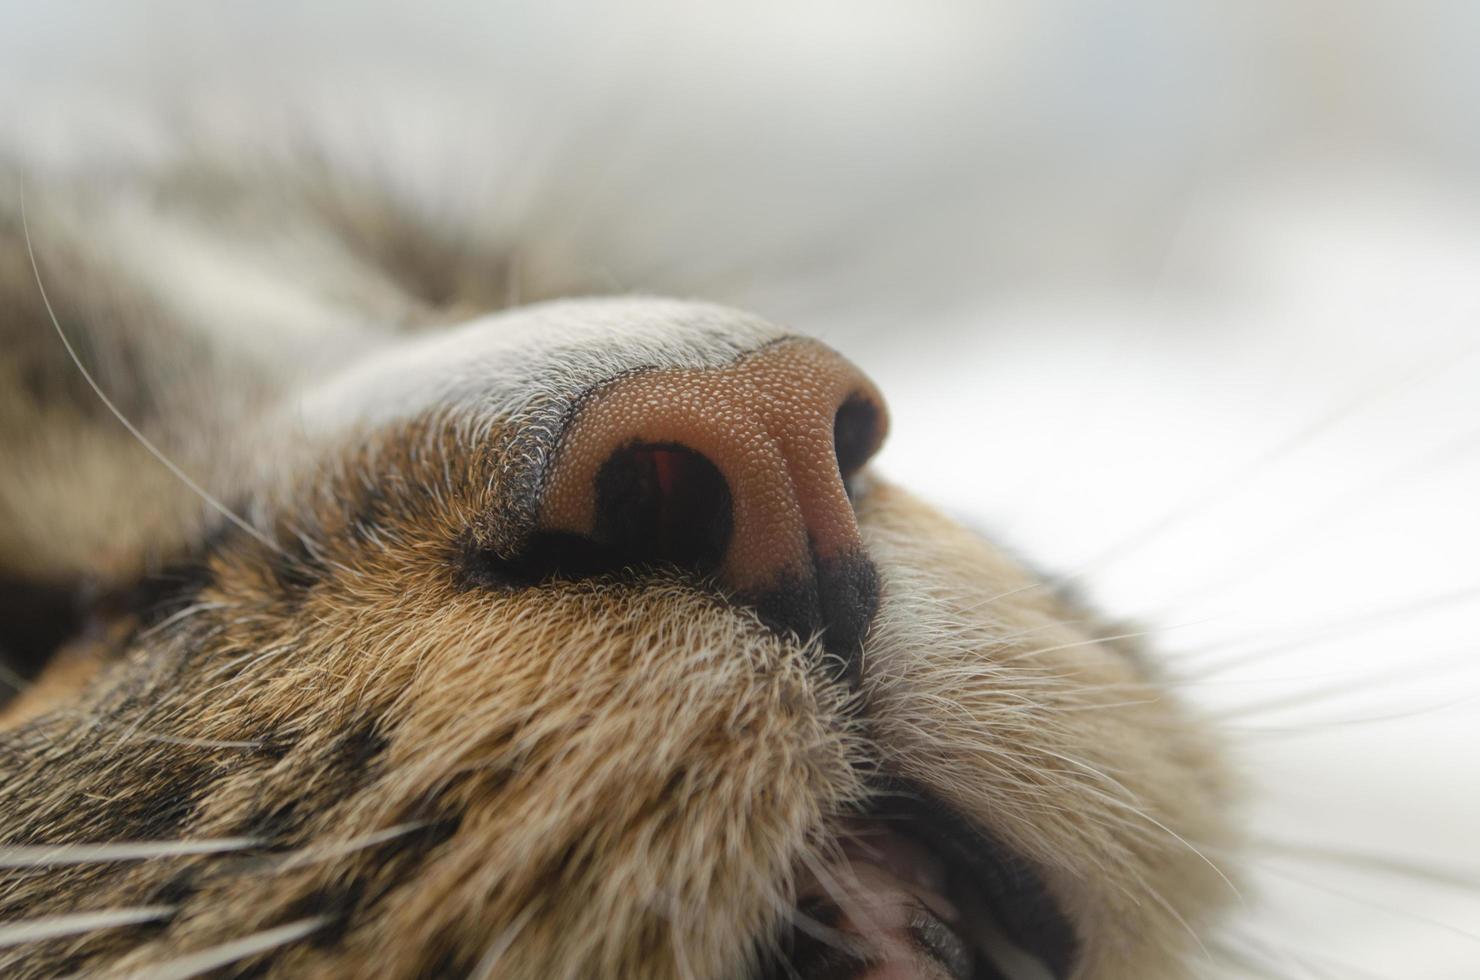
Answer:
(911, 891)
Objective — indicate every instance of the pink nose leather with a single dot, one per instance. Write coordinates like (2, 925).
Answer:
(781, 427)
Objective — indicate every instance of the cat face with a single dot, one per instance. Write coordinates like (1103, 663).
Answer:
(580, 641)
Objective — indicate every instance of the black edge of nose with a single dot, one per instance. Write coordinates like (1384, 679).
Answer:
(839, 601)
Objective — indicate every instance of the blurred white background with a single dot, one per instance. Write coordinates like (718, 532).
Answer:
(1181, 299)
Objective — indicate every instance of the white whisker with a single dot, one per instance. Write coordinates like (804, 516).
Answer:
(52, 926)
(1308, 963)
(133, 430)
(1253, 959)
(1315, 727)
(1369, 903)
(1180, 920)
(1306, 635)
(1257, 467)
(1464, 879)
(327, 852)
(488, 962)
(201, 961)
(1385, 680)
(1179, 839)
(44, 855)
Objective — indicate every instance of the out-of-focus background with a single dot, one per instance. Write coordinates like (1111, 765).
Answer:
(1181, 299)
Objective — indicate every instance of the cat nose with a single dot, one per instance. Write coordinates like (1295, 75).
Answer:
(738, 473)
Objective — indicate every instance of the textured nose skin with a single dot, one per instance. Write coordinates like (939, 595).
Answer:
(737, 472)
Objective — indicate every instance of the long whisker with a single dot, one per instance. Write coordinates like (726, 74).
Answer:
(50, 855)
(1316, 727)
(1257, 467)
(133, 430)
(1306, 635)
(1466, 880)
(1326, 514)
(1307, 961)
(1369, 903)
(1253, 958)
(1136, 811)
(201, 961)
(1181, 920)
(327, 852)
(496, 950)
(1308, 697)
(53, 926)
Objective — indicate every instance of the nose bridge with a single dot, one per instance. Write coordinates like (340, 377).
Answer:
(782, 426)
(795, 393)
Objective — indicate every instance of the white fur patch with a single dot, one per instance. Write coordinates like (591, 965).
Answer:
(492, 367)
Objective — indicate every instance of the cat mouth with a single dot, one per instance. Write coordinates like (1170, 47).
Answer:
(913, 892)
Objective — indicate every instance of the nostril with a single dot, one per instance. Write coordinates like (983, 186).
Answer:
(656, 504)
(857, 433)
(663, 503)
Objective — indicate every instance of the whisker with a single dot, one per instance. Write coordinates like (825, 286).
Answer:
(1401, 913)
(837, 890)
(201, 961)
(1030, 587)
(1466, 880)
(1258, 466)
(1180, 920)
(1253, 958)
(1453, 660)
(1316, 727)
(327, 852)
(1092, 641)
(1384, 680)
(1326, 515)
(1308, 962)
(496, 950)
(44, 855)
(53, 926)
(133, 430)
(1136, 811)
(1305, 635)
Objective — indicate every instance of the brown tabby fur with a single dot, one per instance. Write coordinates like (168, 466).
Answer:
(422, 773)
